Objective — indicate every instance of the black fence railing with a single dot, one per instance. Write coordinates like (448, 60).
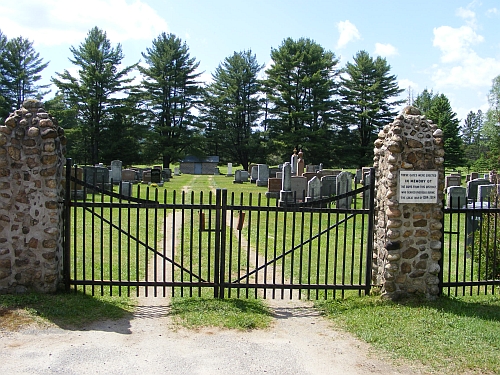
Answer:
(470, 261)
(226, 245)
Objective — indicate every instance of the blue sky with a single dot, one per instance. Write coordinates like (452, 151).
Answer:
(449, 46)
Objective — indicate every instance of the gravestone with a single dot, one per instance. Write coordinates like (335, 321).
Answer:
(300, 163)
(155, 176)
(359, 176)
(286, 195)
(168, 173)
(484, 193)
(273, 172)
(452, 180)
(262, 174)
(313, 189)
(279, 175)
(177, 171)
(238, 179)
(309, 175)
(254, 174)
(97, 176)
(474, 176)
(146, 176)
(129, 175)
(229, 170)
(298, 187)
(116, 171)
(293, 162)
(126, 188)
(456, 197)
(366, 193)
(273, 187)
(472, 187)
(328, 186)
(344, 185)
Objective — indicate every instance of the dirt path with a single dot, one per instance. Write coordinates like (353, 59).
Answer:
(299, 342)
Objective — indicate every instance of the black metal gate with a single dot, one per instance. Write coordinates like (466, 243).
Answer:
(226, 245)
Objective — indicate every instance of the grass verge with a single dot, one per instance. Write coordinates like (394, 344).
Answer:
(450, 335)
(66, 310)
(198, 312)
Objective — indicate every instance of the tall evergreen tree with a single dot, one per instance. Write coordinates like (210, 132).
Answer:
(4, 107)
(171, 93)
(94, 92)
(232, 106)
(300, 86)
(441, 113)
(474, 142)
(368, 101)
(20, 67)
(491, 129)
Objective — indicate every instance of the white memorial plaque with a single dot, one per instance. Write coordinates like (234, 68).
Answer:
(418, 186)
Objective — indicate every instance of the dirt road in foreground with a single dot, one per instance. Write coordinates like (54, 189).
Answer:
(299, 342)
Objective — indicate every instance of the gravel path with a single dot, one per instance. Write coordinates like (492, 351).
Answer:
(299, 342)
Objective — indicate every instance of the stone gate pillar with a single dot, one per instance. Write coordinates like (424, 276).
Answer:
(409, 169)
(31, 192)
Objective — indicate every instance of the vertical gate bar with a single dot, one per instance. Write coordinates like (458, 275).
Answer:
(441, 261)
(257, 240)
(495, 248)
(266, 246)
(371, 233)
(211, 257)
(292, 255)
(238, 255)
(218, 197)
(223, 234)
(191, 242)
(336, 254)
(111, 263)
(231, 233)
(120, 190)
(275, 249)
(172, 245)
(318, 260)
(137, 248)
(146, 241)
(155, 243)
(301, 254)
(249, 236)
(309, 258)
(67, 226)
(183, 217)
(459, 224)
(327, 255)
(129, 243)
(164, 244)
(200, 255)
(353, 244)
(282, 254)
(83, 232)
(449, 255)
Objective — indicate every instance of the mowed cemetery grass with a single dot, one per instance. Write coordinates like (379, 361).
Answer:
(451, 335)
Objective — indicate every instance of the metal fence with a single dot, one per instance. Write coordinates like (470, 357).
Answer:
(225, 245)
(470, 261)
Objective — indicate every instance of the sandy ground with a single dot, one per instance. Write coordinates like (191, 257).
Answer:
(299, 342)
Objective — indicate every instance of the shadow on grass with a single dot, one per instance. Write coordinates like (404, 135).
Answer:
(485, 307)
(72, 311)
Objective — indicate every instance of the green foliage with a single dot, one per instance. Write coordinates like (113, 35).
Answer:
(20, 68)
(437, 108)
(300, 87)
(170, 95)
(491, 129)
(97, 91)
(232, 109)
(366, 98)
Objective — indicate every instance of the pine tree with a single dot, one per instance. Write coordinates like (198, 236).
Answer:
(94, 92)
(232, 107)
(171, 94)
(300, 86)
(367, 92)
(20, 67)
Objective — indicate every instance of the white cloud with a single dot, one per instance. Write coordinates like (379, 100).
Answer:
(455, 43)
(385, 50)
(492, 12)
(348, 33)
(407, 84)
(55, 22)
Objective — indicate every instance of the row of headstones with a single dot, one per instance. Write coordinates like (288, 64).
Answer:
(477, 191)
(455, 179)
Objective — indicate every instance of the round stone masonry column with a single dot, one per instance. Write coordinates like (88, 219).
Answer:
(31, 193)
(409, 171)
